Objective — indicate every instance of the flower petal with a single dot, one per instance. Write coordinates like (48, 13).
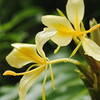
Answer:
(61, 40)
(27, 81)
(62, 26)
(56, 22)
(41, 38)
(23, 54)
(75, 11)
(91, 48)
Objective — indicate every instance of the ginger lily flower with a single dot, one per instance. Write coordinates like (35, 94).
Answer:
(63, 30)
(21, 55)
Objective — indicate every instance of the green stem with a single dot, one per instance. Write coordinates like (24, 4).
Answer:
(76, 62)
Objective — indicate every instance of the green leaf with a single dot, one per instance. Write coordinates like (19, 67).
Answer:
(21, 16)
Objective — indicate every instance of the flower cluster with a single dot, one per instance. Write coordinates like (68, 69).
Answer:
(61, 30)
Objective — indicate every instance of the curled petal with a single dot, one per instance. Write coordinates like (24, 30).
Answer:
(23, 54)
(91, 48)
(41, 38)
(28, 80)
(75, 11)
(62, 26)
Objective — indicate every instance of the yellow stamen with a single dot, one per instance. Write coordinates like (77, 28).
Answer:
(76, 49)
(91, 29)
(34, 65)
(94, 27)
(79, 33)
(9, 72)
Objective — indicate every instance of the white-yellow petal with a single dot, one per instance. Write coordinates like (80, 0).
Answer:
(91, 48)
(62, 26)
(56, 22)
(41, 38)
(61, 40)
(23, 54)
(75, 11)
(28, 80)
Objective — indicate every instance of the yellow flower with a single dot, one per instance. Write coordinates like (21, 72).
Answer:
(61, 30)
(21, 55)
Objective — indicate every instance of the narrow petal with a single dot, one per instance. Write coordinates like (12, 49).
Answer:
(23, 54)
(75, 11)
(28, 80)
(91, 48)
(56, 22)
(61, 40)
(41, 38)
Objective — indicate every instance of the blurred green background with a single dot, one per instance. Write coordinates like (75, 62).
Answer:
(20, 20)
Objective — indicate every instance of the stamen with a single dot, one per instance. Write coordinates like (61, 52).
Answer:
(76, 49)
(60, 12)
(34, 65)
(76, 40)
(56, 50)
(92, 29)
(82, 27)
(9, 72)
